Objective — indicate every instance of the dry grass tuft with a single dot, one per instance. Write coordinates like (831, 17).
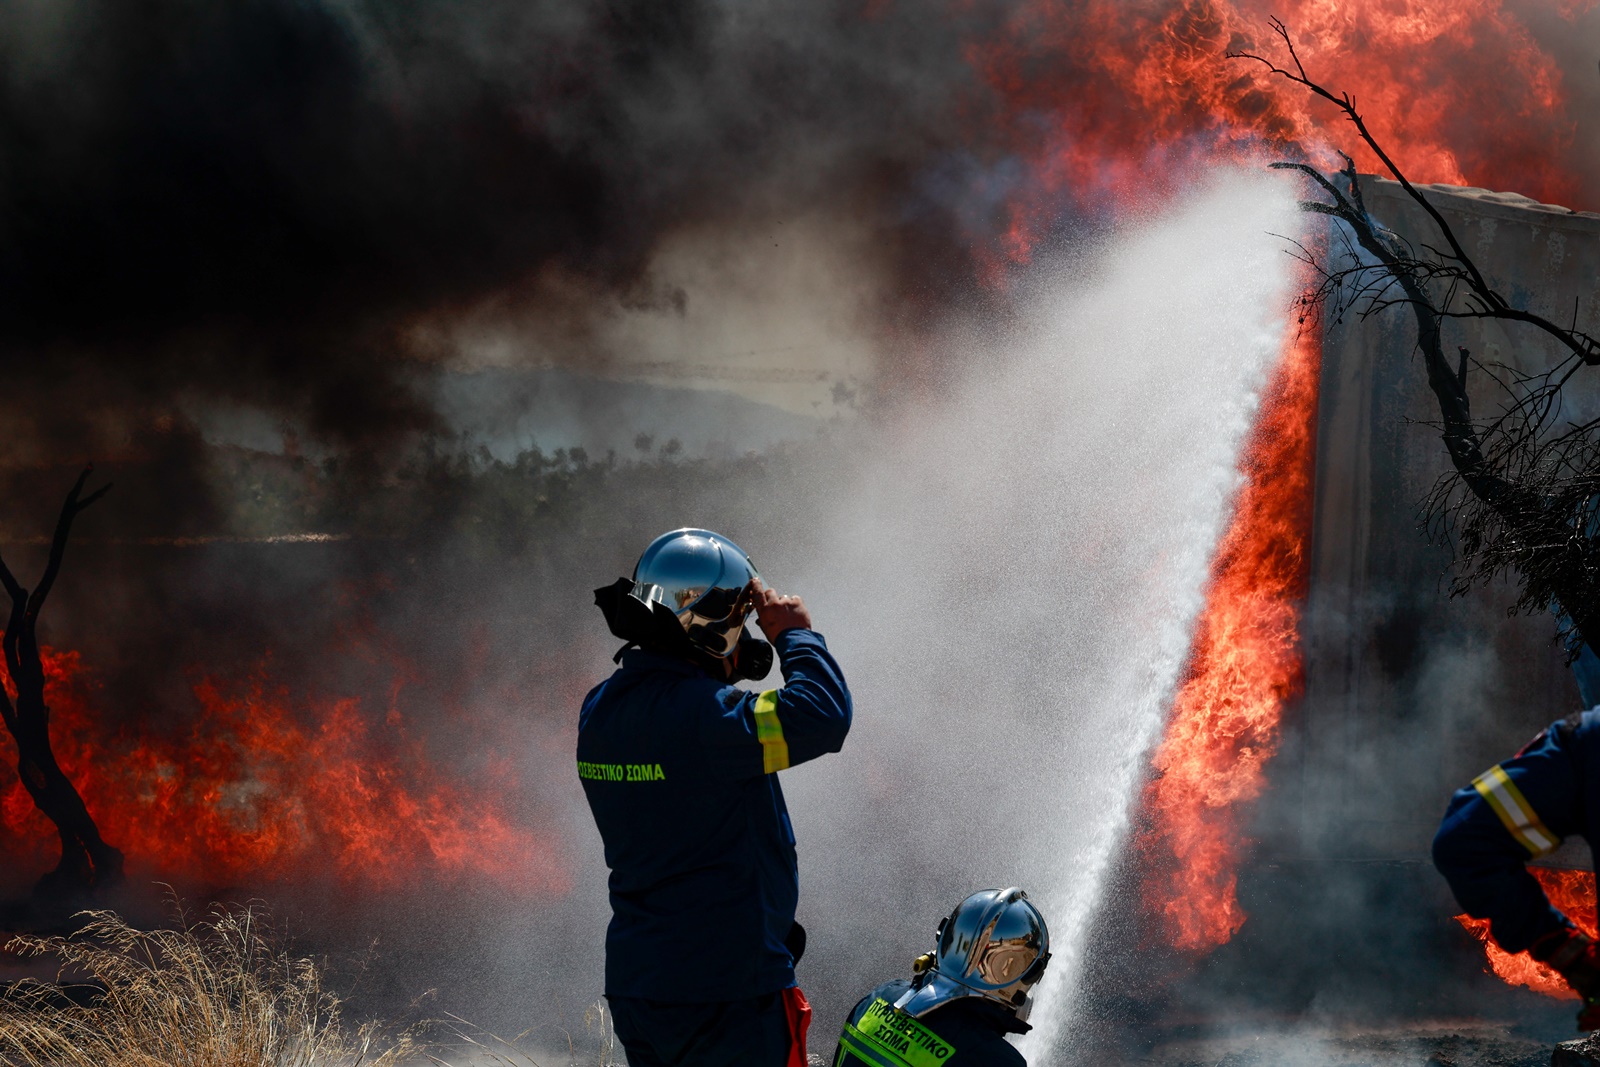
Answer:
(216, 993)
(490, 1050)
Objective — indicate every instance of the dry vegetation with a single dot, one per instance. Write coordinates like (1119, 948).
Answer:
(215, 993)
(212, 994)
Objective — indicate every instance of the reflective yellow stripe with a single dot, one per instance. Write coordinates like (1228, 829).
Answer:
(1496, 787)
(769, 731)
(886, 1037)
(851, 1044)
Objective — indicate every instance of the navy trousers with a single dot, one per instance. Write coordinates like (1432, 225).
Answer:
(727, 1033)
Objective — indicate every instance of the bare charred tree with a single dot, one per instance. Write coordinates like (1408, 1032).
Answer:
(87, 862)
(1523, 493)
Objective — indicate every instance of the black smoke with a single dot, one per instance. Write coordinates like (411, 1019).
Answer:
(255, 200)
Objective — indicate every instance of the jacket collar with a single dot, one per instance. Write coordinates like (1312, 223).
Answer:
(993, 1015)
(638, 659)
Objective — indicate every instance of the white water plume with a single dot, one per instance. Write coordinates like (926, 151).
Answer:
(1010, 583)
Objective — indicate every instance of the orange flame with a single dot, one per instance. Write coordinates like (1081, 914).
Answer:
(252, 794)
(1244, 665)
(1108, 102)
(1573, 893)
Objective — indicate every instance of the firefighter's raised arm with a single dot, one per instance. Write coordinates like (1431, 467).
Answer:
(763, 733)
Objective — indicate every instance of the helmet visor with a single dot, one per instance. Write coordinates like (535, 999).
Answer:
(716, 622)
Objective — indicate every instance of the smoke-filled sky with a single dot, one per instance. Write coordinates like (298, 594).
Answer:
(308, 207)
(290, 203)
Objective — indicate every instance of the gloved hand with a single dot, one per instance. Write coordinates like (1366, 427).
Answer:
(775, 614)
(1575, 956)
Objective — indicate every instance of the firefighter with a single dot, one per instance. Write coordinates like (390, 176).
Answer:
(963, 997)
(1514, 812)
(680, 768)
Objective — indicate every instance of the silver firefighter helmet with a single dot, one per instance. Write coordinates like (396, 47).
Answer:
(702, 577)
(995, 945)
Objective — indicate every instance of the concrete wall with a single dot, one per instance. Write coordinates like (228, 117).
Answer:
(1409, 693)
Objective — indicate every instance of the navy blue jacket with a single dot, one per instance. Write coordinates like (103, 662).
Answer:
(970, 1031)
(681, 774)
(1512, 813)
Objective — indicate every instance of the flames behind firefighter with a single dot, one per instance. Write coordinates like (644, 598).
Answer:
(680, 768)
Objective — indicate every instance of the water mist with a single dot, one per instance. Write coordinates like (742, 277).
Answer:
(1010, 581)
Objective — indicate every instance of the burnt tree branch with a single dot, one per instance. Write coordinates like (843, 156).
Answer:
(87, 861)
(1493, 304)
(19, 600)
(1532, 489)
(1460, 436)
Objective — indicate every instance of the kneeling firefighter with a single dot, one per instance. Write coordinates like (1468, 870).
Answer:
(1514, 812)
(680, 768)
(964, 996)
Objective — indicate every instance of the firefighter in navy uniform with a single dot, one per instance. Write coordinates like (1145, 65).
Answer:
(1514, 812)
(680, 768)
(964, 997)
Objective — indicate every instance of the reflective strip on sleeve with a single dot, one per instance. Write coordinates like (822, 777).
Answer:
(1496, 787)
(769, 731)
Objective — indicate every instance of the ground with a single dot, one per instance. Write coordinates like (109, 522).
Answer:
(1443, 1043)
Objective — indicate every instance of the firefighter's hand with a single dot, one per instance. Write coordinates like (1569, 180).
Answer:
(1576, 957)
(775, 613)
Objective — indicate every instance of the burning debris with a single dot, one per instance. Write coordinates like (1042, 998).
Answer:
(1573, 892)
(252, 795)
